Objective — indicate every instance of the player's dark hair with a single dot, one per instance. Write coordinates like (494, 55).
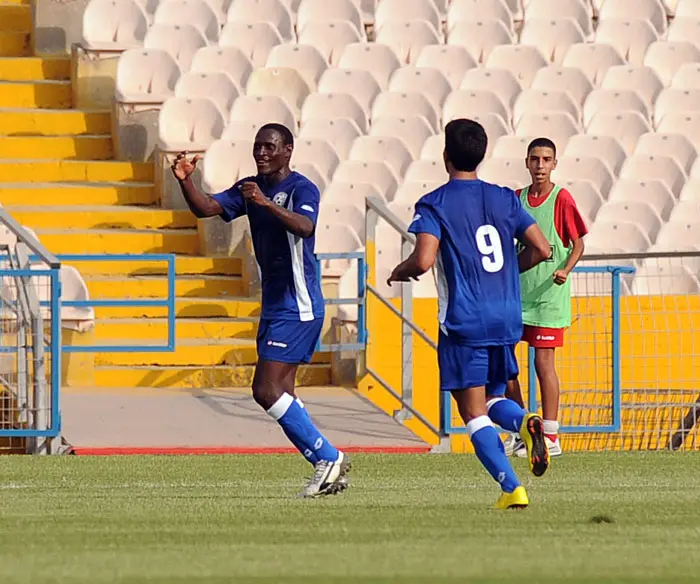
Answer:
(542, 143)
(465, 144)
(282, 130)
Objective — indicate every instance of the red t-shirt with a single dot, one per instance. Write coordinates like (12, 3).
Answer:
(567, 220)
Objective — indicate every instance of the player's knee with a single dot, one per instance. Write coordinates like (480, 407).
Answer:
(265, 394)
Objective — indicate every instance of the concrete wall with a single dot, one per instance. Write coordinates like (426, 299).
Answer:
(57, 25)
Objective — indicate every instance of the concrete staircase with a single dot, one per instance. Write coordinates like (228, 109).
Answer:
(57, 176)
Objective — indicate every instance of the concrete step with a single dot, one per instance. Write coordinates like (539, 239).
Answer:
(157, 287)
(53, 122)
(156, 329)
(103, 217)
(36, 94)
(16, 18)
(88, 147)
(77, 193)
(34, 68)
(200, 307)
(14, 44)
(184, 266)
(198, 377)
(50, 171)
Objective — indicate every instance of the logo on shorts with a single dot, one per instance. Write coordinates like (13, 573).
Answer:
(276, 344)
(280, 199)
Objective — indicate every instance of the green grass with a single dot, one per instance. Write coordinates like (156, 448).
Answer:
(406, 519)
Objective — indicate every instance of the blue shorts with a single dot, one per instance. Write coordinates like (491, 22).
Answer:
(462, 367)
(288, 341)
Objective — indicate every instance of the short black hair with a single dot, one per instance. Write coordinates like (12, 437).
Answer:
(465, 144)
(282, 130)
(542, 143)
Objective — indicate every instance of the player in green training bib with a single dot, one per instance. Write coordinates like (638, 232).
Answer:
(546, 288)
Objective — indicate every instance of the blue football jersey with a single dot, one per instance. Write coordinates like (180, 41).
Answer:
(290, 285)
(477, 266)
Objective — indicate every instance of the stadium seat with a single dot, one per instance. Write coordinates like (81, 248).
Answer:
(685, 123)
(381, 61)
(630, 38)
(181, 41)
(538, 101)
(359, 83)
(655, 193)
(676, 146)
(114, 25)
(391, 151)
(479, 10)
(336, 238)
(414, 131)
(521, 60)
(452, 61)
(678, 235)
(691, 190)
(410, 192)
(368, 9)
(652, 10)
(407, 39)
(585, 168)
(430, 82)
(197, 13)
(404, 104)
(499, 81)
(376, 173)
(334, 106)
(426, 171)
(667, 57)
(552, 37)
(568, 79)
(225, 162)
(612, 101)
(216, 86)
(494, 125)
(285, 83)
(149, 7)
(405, 11)
(559, 127)
(146, 76)
(655, 280)
(315, 11)
(189, 124)
(643, 80)
(608, 237)
(627, 127)
(317, 152)
(688, 211)
(351, 193)
(307, 60)
(256, 39)
(687, 8)
(330, 38)
(650, 167)
(274, 12)
(341, 132)
(676, 101)
(685, 29)
(512, 146)
(311, 172)
(593, 59)
(467, 102)
(587, 196)
(238, 130)
(577, 10)
(479, 37)
(640, 213)
(687, 77)
(263, 108)
(230, 60)
(607, 148)
(404, 210)
(433, 148)
(501, 170)
(342, 213)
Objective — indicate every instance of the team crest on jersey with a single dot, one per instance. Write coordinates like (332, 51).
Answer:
(280, 199)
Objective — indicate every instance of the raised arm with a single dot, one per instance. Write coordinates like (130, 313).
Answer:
(200, 204)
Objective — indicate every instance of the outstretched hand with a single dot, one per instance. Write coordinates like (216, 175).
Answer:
(397, 277)
(183, 168)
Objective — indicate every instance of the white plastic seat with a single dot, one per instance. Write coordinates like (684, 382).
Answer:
(607, 148)
(230, 60)
(265, 109)
(655, 193)
(391, 151)
(413, 131)
(686, 211)
(341, 213)
(687, 77)
(651, 167)
(664, 280)
(676, 101)
(478, 10)
(616, 237)
(494, 125)
(351, 193)
(685, 123)
(181, 41)
(652, 10)
(313, 11)
(585, 168)
(501, 170)
(627, 127)
(676, 146)
(311, 172)
(630, 37)
(341, 132)
(189, 124)
(466, 103)
(587, 196)
(552, 37)
(285, 83)
(521, 60)
(410, 191)
(359, 83)
(433, 147)
(637, 212)
(408, 39)
(336, 239)
(691, 190)
(512, 146)
(380, 60)
(275, 12)
(238, 130)
(368, 9)
(678, 235)
(452, 61)
(330, 38)
(114, 25)
(405, 104)
(686, 9)
(643, 80)
(146, 76)
(197, 13)
(538, 101)
(219, 87)
(427, 171)
(430, 82)
(576, 10)
(500, 81)
(613, 101)
(225, 162)
(317, 152)
(593, 59)
(559, 127)
(569, 79)
(666, 58)
(334, 106)
(685, 29)
(479, 37)
(405, 11)
(255, 39)
(307, 60)
(376, 173)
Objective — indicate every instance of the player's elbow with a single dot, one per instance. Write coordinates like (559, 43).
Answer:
(542, 252)
(424, 262)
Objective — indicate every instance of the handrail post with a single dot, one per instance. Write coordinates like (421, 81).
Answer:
(406, 340)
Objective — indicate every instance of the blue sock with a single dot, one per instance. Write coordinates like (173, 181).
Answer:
(489, 449)
(311, 456)
(300, 430)
(506, 413)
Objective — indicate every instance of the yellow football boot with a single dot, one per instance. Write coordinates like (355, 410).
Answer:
(515, 500)
(532, 434)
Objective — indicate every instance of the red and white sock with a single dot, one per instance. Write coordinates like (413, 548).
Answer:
(551, 429)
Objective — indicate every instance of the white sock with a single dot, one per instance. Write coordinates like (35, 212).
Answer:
(551, 427)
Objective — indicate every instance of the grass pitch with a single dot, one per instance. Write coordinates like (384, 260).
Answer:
(407, 518)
